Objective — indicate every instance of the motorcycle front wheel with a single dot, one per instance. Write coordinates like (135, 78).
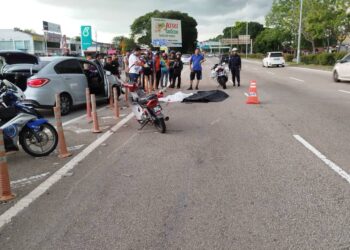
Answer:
(39, 143)
(159, 123)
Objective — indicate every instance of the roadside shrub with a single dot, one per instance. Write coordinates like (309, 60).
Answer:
(309, 59)
(288, 57)
(256, 56)
(340, 55)
(326, 59)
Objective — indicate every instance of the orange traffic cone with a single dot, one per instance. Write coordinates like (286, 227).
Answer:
(111, 105)
(116, 104)
(88, 105)
(253, 96)
(5, 187)
(96, 127)
(62, 146)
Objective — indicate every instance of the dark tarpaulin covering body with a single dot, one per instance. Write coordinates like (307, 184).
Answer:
(207, 96)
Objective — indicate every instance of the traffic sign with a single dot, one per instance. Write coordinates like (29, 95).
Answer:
(86, 37)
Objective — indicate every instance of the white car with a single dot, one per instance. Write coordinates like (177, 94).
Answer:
(186, 58)
(341, 70)
(274, 59)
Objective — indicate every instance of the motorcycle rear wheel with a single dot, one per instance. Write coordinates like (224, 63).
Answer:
(159, 123)
(29, 141)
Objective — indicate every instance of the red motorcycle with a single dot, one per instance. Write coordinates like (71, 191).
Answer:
(146, 108)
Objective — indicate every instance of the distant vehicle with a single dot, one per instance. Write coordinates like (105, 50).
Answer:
(210, 55)
(341, 70)
(68, 76)
(186, 58)
(274, 59)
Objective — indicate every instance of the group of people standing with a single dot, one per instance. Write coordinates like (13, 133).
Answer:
(154, 71)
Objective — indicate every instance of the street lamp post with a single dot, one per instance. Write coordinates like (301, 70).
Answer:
(299, 32)
(231, 39)
(246, 44)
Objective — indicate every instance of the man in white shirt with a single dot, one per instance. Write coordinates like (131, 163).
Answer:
(135, 65)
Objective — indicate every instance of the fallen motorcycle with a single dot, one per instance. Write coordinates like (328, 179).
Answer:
(146, 108)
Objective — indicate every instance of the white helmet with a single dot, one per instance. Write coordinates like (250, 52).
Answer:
(234, 49)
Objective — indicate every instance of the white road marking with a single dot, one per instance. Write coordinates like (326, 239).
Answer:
(246, 94)
(296, 79)
(344, 91)
(230, 81)
(54, 178)
(215, 121)
(323, 158)
(80, 117)
(73, 148)
(29, 180)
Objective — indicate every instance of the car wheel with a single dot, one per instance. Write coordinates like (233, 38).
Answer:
(66, 104)
(336, 76)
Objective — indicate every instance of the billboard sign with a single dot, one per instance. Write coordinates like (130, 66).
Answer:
(51, 27)
(166, 32)
(86, 37)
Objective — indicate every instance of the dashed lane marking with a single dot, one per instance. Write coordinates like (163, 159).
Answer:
(296, 79)
(323, 158)
(344, 91)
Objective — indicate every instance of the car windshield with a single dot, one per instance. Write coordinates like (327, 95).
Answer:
(186, 55)
(278, 54)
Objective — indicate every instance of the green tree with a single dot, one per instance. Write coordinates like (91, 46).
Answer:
(141, 28)
(271, 39)
(254, 29)
(129, 43)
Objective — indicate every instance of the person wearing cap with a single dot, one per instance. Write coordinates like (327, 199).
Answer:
(196, 67)
(178, 66)
(235, 65)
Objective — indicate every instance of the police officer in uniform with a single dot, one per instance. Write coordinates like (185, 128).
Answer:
(235, 66)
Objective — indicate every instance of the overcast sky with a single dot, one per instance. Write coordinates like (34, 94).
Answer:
(114, 17)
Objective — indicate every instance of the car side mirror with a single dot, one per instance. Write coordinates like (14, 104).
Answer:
(108, 73)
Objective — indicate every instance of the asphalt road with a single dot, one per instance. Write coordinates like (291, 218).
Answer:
(226, 176)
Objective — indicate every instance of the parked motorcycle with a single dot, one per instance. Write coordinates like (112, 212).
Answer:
(146, 107)
(23, 124)
(220, 73)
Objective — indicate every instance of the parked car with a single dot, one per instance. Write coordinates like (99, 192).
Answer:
(186, 58)
(17, 67)
(274, 59)
(341, 70)
(68, 76)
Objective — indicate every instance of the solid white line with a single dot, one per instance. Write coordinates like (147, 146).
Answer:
(344, 91)
(44, 186)
(296, 79)
(323, 158)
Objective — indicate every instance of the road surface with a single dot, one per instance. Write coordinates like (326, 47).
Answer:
(226, 175)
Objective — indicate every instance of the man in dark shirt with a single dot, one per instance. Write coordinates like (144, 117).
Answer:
(115, 66)
(235, 66)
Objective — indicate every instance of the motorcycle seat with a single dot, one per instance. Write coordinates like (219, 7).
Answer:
(143, 101)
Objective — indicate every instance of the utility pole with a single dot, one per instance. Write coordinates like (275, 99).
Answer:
(299, 33)
(231, 39)
(246, 43)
